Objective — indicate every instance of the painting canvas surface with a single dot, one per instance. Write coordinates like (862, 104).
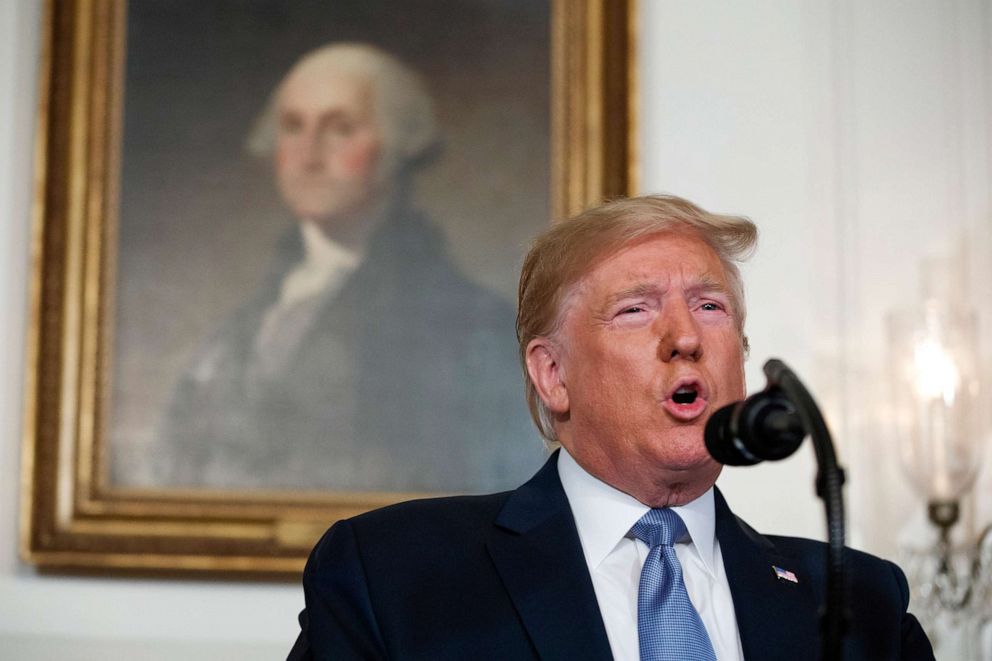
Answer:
(402, 374)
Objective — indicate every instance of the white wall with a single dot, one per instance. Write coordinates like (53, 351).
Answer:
(725, 124)
(855, 134)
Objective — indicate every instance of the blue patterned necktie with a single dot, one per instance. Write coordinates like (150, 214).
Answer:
(668, 626)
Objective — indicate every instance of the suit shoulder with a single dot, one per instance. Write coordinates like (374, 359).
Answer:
(435, 508)
(806, 546)
(428, 519)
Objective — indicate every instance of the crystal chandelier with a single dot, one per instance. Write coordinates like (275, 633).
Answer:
(941, 418)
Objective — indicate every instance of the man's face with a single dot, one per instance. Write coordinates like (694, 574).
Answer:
(649, 348)
(328, 143)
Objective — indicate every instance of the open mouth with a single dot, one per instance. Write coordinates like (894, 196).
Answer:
(685, 394)
(687, 401)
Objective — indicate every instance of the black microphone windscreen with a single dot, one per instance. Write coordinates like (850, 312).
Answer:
(721, 442)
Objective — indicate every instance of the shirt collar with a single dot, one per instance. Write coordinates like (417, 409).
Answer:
(604, 515)
(324, 252)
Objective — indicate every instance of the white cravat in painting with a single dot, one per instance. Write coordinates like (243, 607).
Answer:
(304, 290)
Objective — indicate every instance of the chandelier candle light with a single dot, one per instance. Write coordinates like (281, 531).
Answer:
(940, 417)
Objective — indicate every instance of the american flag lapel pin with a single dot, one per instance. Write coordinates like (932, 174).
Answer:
(785, 574)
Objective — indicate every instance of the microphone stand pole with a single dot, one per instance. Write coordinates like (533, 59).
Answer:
(829, 487)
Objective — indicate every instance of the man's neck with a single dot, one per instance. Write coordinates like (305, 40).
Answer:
(603, 513)
(352, 231)
(655, 487)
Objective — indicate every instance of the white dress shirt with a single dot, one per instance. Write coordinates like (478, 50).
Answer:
(603, 517)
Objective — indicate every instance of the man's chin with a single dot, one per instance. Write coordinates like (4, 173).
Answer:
(700, 469)
(340, 214)
(320, 214)
(678, 486)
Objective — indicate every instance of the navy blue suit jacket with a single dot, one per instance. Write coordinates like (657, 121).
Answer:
(503, 577)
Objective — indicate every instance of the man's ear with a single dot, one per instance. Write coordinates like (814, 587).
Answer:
(545, 370)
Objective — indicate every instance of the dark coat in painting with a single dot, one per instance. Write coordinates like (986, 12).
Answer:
(406, 379)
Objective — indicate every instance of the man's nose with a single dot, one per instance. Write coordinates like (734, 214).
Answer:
(313, 149)
(679, 333)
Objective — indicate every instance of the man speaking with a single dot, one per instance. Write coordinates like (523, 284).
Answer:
(631, 332)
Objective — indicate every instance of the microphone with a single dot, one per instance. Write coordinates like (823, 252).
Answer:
(765, 426)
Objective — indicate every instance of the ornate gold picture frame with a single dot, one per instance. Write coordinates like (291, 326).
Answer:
(77, 514)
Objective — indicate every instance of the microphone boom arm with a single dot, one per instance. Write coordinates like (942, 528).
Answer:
(829, 487)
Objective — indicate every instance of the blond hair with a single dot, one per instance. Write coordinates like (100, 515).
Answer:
(561, 256)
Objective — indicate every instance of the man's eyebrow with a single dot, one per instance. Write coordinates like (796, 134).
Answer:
(641, 289)
(709, 284)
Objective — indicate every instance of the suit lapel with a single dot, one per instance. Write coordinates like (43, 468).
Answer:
(777, 618)
(536, 550)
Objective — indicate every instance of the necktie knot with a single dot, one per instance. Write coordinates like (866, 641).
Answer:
(660, 527)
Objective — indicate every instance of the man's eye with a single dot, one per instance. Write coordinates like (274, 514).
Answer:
(710, 306)
(290, 124)
(633, 309)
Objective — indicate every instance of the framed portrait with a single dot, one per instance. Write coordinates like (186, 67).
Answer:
(276, 250)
